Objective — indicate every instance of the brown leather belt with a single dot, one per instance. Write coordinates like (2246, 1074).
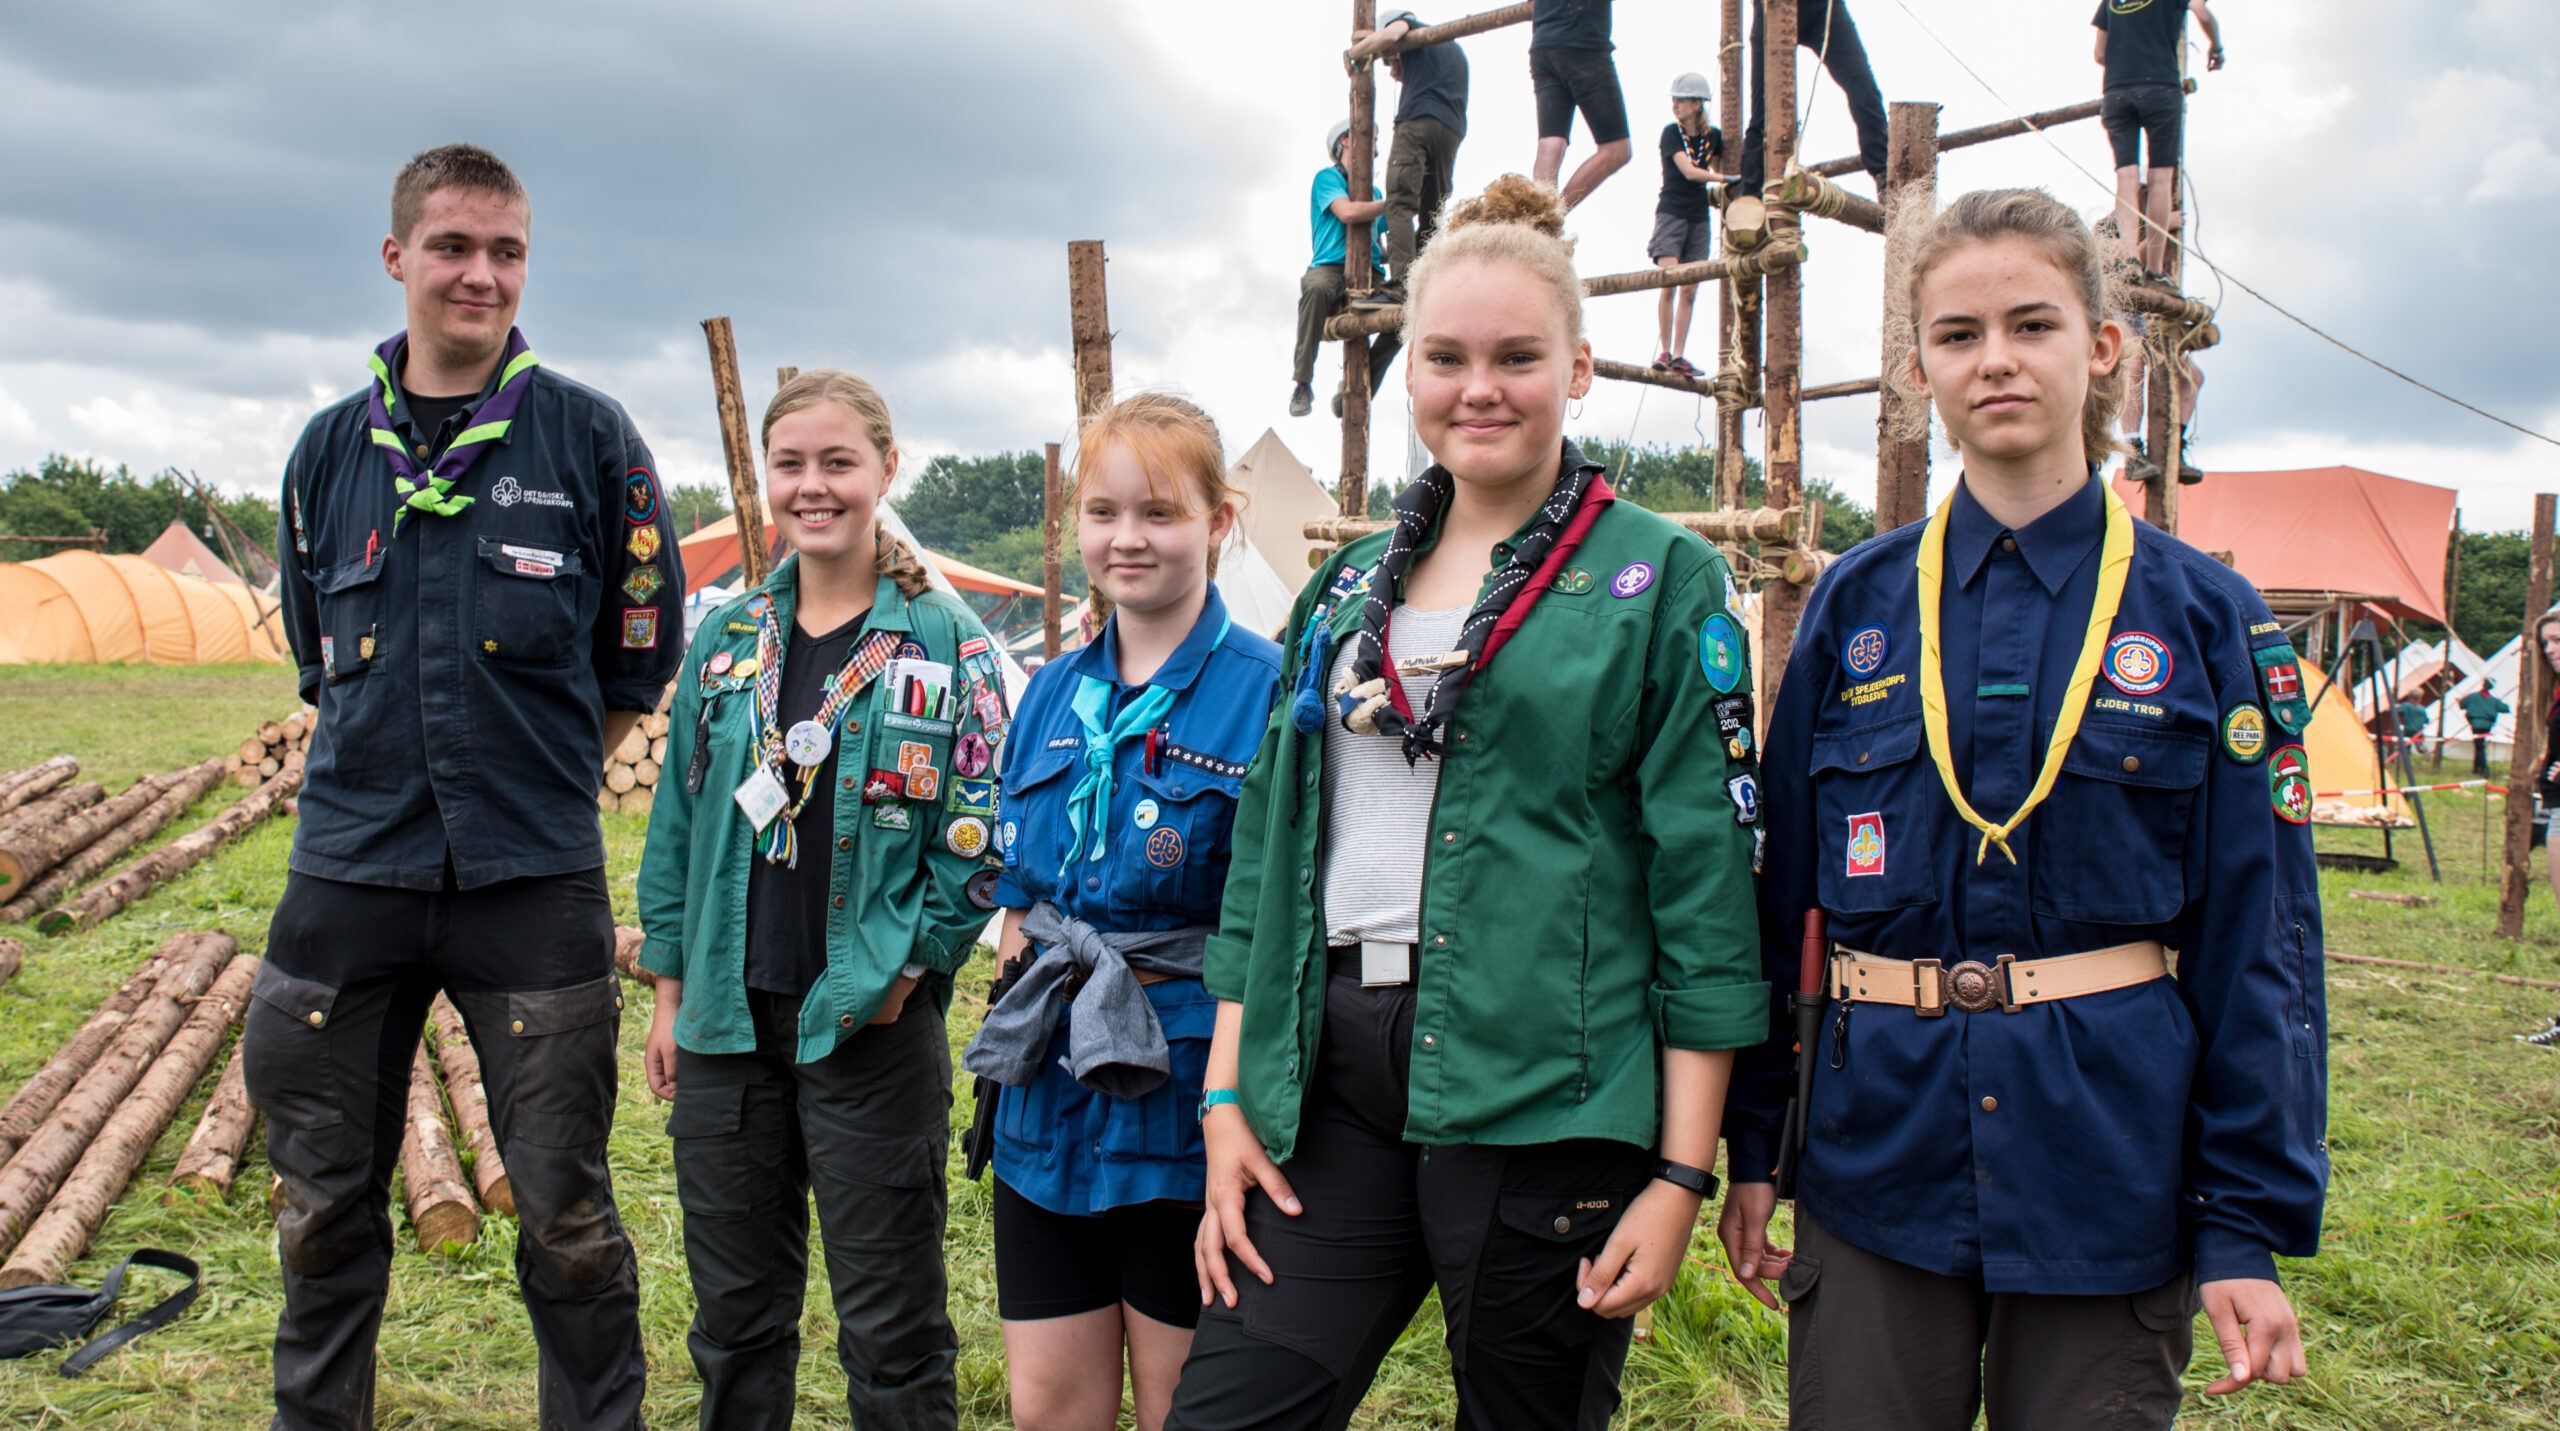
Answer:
(1930, 987)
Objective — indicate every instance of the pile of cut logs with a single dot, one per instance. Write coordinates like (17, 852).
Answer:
(277, 746)
(631, 768)
(57, 833)
(76, 1132)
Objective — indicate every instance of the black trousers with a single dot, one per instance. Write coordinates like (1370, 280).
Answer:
(864, 1129)
(2479, 755)
(1877, 1345)
(327, 1049)
(1846, 58)
(1499, 1230)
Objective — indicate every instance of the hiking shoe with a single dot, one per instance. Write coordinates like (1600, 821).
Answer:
(2142, 469)
(2542, 1038)
(1385, 295)
(1302, 400)
(1685, 368)
(1664, 363)
(2189, 476)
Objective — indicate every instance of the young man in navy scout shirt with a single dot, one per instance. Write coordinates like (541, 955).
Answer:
(483, 594)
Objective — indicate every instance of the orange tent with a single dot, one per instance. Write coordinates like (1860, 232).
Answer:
(713, 551)
(81, 608)
(2324, 529)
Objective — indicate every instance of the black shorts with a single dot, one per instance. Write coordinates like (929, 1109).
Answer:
(1053, 1264)
(1587, 80)
(2133, 111)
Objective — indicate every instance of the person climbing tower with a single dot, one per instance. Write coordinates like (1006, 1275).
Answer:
(1321, 289)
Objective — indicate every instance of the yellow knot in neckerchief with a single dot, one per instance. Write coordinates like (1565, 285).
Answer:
(2115, 560)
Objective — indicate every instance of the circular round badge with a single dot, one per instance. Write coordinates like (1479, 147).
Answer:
(966, 836)
(913, 651)
(2137, 663)
(2288, 760)
(1164, 848)
(1862, 655)
(720, 663)
(1145, 814)
(807, 742)
(982, 889)
(639, 498)
(2291, 792)
(1720, 652)
(2244, 733)
(970, 756)
(1632, 578)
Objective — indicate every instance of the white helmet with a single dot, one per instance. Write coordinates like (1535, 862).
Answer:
(1333, 140)
(1692, 85)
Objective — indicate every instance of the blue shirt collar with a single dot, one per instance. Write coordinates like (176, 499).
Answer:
(2054, 544)
(1102, 657)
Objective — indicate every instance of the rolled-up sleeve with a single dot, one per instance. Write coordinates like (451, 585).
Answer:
(1695, 841)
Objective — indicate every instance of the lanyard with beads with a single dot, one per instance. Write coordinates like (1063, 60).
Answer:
(807, 743)
(2115, 561)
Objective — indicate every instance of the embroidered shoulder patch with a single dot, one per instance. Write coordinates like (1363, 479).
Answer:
(1720, 652)
(2244, 733)
(639, 497)
(2280, 681)
(2137, 663)
(640, 628)
(1864, 653)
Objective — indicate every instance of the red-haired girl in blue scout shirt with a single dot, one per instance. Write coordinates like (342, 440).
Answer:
(816, 871)
(2021, 751)
(1489, 936)
(1120, 785)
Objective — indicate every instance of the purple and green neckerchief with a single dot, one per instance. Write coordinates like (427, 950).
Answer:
(428, 490)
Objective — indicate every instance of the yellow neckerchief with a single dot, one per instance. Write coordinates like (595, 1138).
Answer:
(2115, 560)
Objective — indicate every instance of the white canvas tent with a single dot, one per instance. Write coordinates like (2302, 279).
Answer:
(2499, 668)
(1265, 563)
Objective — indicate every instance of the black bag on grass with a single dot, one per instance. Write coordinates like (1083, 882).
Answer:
(35, 1318)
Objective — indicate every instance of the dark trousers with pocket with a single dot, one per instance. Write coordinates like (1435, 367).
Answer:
(1499, 1230)
(1879, 1345)
(1822, 26)
(865, 1130)
(1321, 290)
(327, 1050)
(1421, 162)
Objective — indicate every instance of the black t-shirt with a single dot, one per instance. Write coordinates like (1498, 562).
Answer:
(428, 415)
(1435, 85)
(2143, 39)
(787, 906)
(1682, 196)
(1570, 25)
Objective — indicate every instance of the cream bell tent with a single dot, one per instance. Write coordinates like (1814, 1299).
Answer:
(80, 608)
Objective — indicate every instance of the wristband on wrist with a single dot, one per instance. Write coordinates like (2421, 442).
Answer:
(1213, 1098)
(1681, 1175)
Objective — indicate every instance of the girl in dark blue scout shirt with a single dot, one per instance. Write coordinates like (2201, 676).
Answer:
(1120, 783)
(2021, 751)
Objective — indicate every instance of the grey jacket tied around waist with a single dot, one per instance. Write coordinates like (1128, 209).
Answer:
(1115, 1046)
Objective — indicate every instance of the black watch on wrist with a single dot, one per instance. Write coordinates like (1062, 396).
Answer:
(1681, 1175)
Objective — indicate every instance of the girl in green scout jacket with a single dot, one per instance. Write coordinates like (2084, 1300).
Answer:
(813, 878)
(2021, 751)
(1120, 785)
(1488, 937)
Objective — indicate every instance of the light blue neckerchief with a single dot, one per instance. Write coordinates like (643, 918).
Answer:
(1089, 804)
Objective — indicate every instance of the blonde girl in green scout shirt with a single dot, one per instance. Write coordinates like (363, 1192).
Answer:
(1488, 937)
(815, 874)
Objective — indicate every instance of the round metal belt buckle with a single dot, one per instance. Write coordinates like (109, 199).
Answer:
(1973, 987)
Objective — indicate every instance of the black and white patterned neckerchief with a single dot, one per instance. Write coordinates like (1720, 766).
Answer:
(1416, 508)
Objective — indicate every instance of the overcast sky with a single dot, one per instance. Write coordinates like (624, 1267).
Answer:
(191, 201)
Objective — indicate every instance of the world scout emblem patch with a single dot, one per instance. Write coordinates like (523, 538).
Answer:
(1866, 844)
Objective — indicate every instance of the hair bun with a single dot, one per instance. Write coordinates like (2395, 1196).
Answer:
(1512, 199)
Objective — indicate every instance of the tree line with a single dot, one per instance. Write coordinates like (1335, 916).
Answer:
(74, 496)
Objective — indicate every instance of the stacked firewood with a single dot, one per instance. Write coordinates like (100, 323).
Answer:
(76, 1132)
(631, 769)
(276, 746)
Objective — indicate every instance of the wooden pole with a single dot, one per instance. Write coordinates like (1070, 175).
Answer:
(1360, 152)
(1781, 409)
(2525, 754)
(441, 1209)
(1911, 188)
(36, 1098)
(784, 374)
(2160, 382)
(211, 1159)
(113, 845)
(1459, 29)
(752, 549)
(1089, 313)
(25, 785)
(1729, 355)
(1766, 258)
(1812, 194)
(461, 1065)
(1053, 504)
(1967, 138)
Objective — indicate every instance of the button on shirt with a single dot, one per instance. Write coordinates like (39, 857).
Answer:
(1166, 837)
(2083, 1146)
(463, 667)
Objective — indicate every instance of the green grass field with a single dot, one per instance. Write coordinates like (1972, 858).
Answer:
(2435, 1302)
